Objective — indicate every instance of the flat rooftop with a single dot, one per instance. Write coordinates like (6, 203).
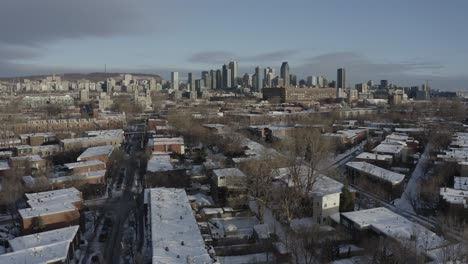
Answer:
(45, 247)
(160, 162)
(96, 151)
(383, 221)
(373, 156)
(228, 172)
(377, 172)
(81, 164)
(175, 235)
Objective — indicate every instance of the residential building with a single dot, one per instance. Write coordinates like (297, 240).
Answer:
(340, 82)
(174, 233)
(54, 209)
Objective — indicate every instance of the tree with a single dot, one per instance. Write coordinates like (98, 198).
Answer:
(346, 200)
(38, 224)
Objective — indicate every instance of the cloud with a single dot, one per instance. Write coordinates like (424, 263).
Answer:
(360, 68)
(34, 22)
(212, 57)
(221, 57)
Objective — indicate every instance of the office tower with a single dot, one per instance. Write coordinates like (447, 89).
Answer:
(293, 79)
(206, 79)
(214, 85)
(340, 82)
(309, 81)
(324, 82)
(233, 66)
(259, 79)
(269, 75)
(199, 85)
(175, 80)
(247, 80)
(191, 82)
(319, 81)
(361, 88)
(383, 83)
(285, 73)
(226, 76)
(219, 79)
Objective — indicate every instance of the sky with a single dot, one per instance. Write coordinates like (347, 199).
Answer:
(405, 42)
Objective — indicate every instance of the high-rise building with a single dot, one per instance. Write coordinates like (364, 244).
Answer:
(269, 75)
(247, 80)
(340, 82)
(233, 66)
(175, 80)
(213, 77)
(285, 73)
(383, 83)
(361, 88)
(370, 83)
(191, 82)
(293, 79)
(226, 76)
(258, 79)
(206, 79)
(219, 79)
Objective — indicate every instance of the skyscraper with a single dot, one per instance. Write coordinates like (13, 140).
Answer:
(340, 82)
(191, 82)
(213, 77)
(226, 76)
(206, 79)
(247, 79)
(175, 80)
(233, 66)
(285, 73)
(259, 79)
(219, 79)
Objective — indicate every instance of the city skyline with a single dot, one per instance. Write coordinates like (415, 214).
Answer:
(413, 44)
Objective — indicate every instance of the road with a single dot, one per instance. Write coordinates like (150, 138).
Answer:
(122, 206)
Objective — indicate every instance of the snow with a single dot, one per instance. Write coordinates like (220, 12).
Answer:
(44, 238)
(247, 259)
(80, 164)
(229, 172)
(375, 171)
(51, 202)
(239, 227)
(201, 199)
(461, 183)
(174, 230)
(4, 165)
(80, 176)
(46, 247)
(32, 158)
(389, 148)
(323, 185)
(383, 221)
(96, 151)
(161, 162)
(373, 156)
(410, 193)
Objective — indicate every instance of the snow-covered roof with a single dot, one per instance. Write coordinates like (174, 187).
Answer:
(160, 162)
(228, 172)
(96, 151)
(454, 196)
(4, 165)
(44, 238)
(323, 185)
(239, 227)
(79, 176)
(45, 247)
(250, 258)
(460, 183)
(32, 158)
(375, 171)
(175, 234)
(81, 164)
(383, 221)
(166, 141)
(373, 156)
(50, 202)
(389, 147)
